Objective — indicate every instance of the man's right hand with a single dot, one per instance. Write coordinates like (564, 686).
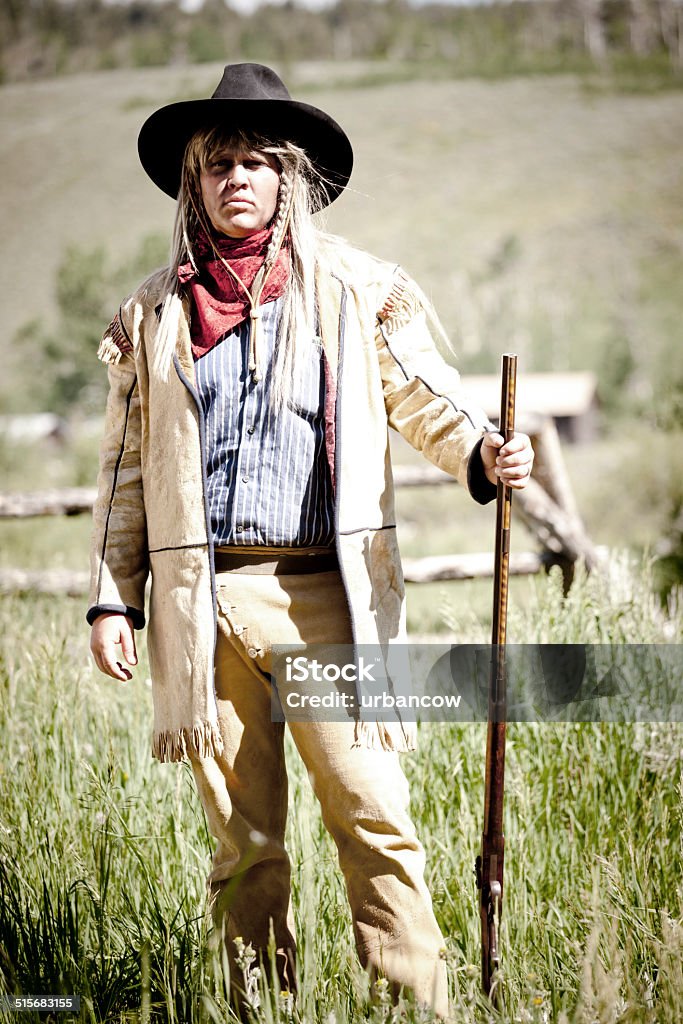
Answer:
(108, 631)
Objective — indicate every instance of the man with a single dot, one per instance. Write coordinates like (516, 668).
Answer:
(245, 463)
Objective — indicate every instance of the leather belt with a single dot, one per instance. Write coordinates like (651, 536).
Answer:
(271, 564)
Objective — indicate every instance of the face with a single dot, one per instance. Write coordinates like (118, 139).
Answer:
(239, 190)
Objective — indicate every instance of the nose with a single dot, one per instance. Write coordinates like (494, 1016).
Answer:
(238, 175)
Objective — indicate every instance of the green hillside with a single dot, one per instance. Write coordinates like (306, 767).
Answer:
(531, 210)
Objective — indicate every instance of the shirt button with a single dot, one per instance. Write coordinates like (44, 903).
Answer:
(250, 430)
(252, 652)
(245, 479)
(239, 529)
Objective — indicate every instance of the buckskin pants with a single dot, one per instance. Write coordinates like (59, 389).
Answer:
(363, 795)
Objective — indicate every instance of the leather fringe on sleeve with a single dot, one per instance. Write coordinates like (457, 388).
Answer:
(115, 342)
(401, 304)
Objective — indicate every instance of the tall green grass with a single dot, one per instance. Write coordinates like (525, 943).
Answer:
(104, 852)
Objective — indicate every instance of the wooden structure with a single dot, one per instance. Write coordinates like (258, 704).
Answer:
(570, 399)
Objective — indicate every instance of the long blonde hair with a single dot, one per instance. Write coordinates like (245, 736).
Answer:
(301, 194)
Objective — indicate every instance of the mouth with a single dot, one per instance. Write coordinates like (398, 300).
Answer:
(238, 202)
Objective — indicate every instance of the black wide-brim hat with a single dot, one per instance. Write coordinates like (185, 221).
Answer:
(250, 97)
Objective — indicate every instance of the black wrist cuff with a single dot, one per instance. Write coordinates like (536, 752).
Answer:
(480, 487)
(135, 614)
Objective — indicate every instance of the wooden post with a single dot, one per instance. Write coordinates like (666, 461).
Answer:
(548, 505)
(550, 469)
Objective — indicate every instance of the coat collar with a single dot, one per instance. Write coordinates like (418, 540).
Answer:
(183, 342)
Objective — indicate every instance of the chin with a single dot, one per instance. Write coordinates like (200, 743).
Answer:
(241, 230)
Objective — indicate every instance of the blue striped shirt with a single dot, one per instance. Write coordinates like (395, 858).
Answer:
(268, 476)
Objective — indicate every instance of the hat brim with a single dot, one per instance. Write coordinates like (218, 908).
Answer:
(166, 133)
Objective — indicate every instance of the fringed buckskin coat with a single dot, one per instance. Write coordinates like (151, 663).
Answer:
(381, 369)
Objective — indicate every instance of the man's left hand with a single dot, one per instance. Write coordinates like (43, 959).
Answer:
(509, 462)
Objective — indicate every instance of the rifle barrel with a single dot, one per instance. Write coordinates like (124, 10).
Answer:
(489, 865)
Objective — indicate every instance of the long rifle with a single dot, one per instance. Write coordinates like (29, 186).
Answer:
(489, 864)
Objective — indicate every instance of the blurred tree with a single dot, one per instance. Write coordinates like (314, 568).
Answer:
(671, 21)
(49, 370)
(43, 37)
(591, 14)
(10, 15)
(55, 370)
(643, 27)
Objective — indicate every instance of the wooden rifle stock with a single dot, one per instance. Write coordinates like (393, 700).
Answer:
(489, 865)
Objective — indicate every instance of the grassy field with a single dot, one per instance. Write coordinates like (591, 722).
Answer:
(103, 852)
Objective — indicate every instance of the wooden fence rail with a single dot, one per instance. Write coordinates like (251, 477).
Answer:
(546, 507)
(68, 582)
(67, 501)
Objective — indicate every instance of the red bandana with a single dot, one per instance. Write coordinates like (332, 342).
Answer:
(219, 302)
